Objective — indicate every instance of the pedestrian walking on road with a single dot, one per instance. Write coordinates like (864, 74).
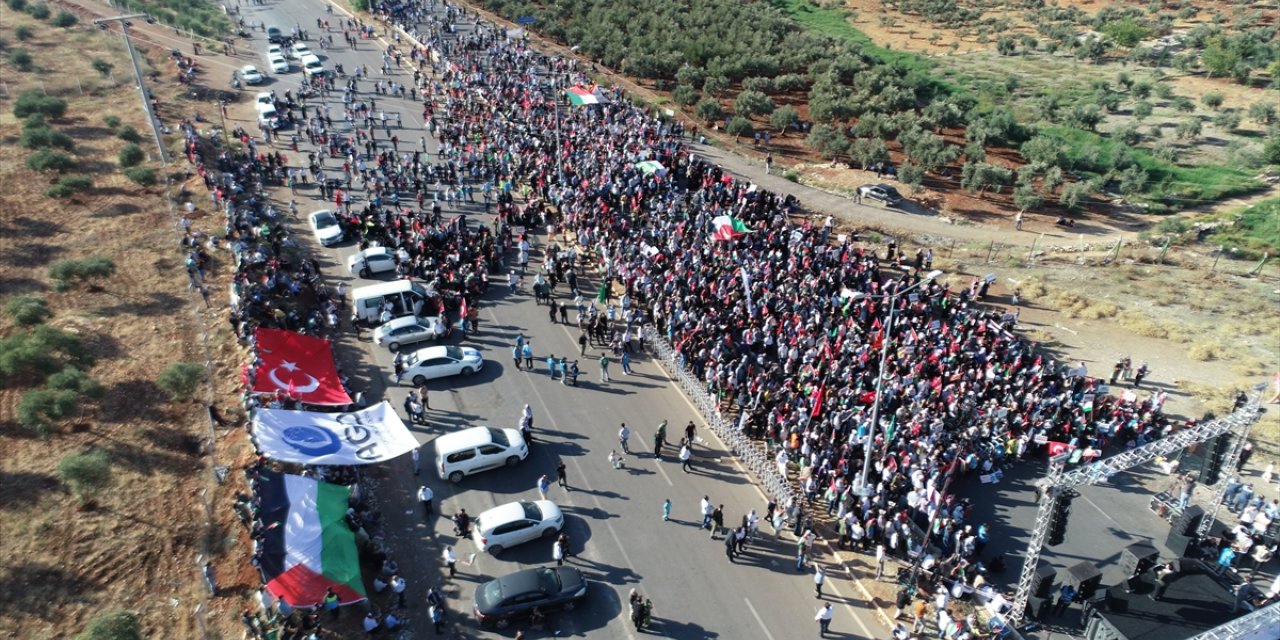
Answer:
(729, 546)
(561, 478)
(515, 355)
(881, 557)
(425, 496)
(626, 363)
(666, 510)
(417, 465)
(450, 560)
(819, 576)
(551, 366)
(707, 511)
(685, 455)
(582, 344)
(657, 445)
(662, 433)
(689, 430)
(624, 434)
(557, 552)
(824, 620)
(527, 352)
(604, 367)
(543, 485)
(717, 521)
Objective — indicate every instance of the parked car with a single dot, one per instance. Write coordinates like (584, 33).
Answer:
(372, 260)
(278, 64)
(264, 97)
(515, 595)
(250, 74)
(275, 50)
(274, 35)
(470, 451)
(300, 50)
(440, 361)
(882, 192)
(325, 227)
(508, 525)
(409, 330)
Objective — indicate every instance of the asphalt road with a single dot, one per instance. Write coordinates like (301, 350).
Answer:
(613, 516)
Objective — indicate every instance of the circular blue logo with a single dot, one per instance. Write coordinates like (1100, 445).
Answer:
(313, 441)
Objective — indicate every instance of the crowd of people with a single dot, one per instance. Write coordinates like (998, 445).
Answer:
(784, 323)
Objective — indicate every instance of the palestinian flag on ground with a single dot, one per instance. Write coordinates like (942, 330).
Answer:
(308, 546)
(581, 95)
(729, 227)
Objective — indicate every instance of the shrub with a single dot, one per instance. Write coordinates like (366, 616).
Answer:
(360, 5)
(69, 186)
(27, 310)
(67, 273)
(129, 134)
(87, 473)
(31, 356)
(144, 176)
(685, 95)
(182, 379)
(40, 408)
(103, 67)
(115, 625)
(64, 19)
(1213, 100)
(23, 32)
(34, 102)
(112, 122)
(131, 155)
(38, 11)
(739, 126)
(44, 137)
(21, 60)
(46, 160)
(17, 5)
(708, 110)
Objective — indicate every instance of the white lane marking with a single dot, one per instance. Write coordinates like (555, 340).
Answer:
(657, 462)
(759, 620)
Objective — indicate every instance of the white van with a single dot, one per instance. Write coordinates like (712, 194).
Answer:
(406, 297)
(477, 449)
(311, 66)
(267, 115)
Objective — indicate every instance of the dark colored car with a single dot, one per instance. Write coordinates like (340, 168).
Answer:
(274, 35)
(515, 595)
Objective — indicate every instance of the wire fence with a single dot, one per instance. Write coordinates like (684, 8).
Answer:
(757, 461)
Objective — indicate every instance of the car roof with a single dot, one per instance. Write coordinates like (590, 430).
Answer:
(381, 289)
(373, 251)
(885, 186)
(404, 321)
(249, 66)
(524, 581)
(434, 351)
(472, 437)
(505, 512)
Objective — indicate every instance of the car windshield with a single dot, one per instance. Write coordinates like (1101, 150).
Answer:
(453, 352)
(531, 510)
(498, 436)
(417, 288)
(548, 581)
(492, 591)
(325, 220)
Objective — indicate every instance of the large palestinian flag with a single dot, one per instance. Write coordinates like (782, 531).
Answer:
(729, 227)
(308, 546)
(581, 95)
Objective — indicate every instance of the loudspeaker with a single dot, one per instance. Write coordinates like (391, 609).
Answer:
(1042, 581)
(1188, 521)
(1085, 578)
(1138, 557)
(1116, 602)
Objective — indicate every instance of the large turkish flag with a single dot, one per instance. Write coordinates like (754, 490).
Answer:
(299, 365)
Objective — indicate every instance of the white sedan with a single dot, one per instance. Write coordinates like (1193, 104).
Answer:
(440, 361)
(325, 226)
(251, 74)
(408, 330)
(507, 525)
(370, 261)
(278, 64)
(300, 50)
(264, 98)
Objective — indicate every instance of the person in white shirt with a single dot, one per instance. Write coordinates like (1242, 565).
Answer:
(823, 618)
(425, 496)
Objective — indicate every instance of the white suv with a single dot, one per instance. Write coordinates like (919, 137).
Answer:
(514, 523)
(462, 453)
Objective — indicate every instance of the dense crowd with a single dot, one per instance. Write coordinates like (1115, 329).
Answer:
(785, 324)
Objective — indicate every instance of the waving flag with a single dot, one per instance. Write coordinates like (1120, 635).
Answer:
(729, 227)
(300, 365)
(371, 435)
(581, 95)
(308, 546)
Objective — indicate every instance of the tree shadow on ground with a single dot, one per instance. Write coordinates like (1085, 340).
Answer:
(133, 400)
(22, 489)
(28, 588)
(154, 303)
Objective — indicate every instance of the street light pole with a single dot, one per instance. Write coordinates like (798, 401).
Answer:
(863, 488)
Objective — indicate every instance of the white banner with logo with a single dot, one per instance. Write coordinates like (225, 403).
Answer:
(306, 437)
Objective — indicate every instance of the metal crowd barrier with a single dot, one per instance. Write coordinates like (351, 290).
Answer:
(755, 460)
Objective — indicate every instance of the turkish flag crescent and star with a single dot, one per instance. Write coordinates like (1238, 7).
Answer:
(299, 365)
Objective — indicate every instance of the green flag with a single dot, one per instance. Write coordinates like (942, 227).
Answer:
(603, 296)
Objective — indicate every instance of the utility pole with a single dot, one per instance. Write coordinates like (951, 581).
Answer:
(137, 74)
